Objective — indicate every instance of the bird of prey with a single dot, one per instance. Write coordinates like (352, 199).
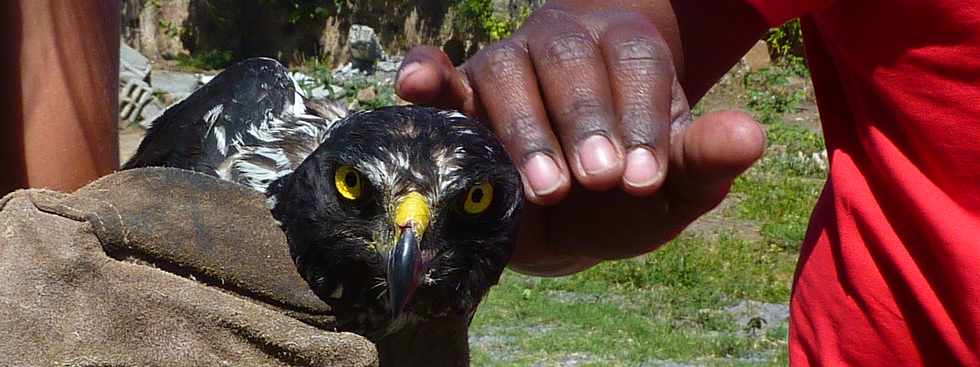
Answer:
(400, 218)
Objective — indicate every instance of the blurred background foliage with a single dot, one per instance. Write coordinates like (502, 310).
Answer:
(213, 33)
(210, 34)
(786, 42)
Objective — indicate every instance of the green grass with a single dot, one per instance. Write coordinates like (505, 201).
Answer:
(670, 306)
(781, 204)
(664, 306)
(322, 75)
(771, 92)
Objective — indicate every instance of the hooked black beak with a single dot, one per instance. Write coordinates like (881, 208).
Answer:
(404, 270)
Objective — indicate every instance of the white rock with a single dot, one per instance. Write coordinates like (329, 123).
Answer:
(205, 78)
(132, 64)
(175, 83)
(365, 49)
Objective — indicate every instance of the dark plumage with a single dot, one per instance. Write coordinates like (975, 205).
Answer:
(400, 218)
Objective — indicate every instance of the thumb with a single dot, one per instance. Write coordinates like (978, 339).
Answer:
(706, 156)
(427, 77)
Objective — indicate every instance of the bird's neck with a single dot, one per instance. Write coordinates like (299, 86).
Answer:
(438, 342)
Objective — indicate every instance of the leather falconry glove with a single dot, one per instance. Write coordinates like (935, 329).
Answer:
(159, 267)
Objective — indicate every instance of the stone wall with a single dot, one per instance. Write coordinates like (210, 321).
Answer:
(153, 26)
(167, 28)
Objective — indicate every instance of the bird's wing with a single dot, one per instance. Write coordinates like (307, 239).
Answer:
(248, 125)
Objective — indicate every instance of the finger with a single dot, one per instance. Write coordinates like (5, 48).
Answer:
(506, 86)
(706, 157)
(427, 77)
(713, 150)
(642, 76)
(571, 70)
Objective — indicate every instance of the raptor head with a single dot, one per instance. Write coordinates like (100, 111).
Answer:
(402, 215)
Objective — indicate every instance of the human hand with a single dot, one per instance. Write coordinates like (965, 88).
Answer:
(585, 98)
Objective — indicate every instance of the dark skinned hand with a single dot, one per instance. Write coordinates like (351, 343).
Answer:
(586, 99)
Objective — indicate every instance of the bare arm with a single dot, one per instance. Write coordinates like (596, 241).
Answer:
(61, 90)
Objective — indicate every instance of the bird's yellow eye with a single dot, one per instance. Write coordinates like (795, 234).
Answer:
(349, 182)
(478, 198)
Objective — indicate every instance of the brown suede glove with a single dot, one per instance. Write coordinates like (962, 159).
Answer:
(158, 267)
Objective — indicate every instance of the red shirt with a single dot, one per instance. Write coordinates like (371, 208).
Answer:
(889, 274)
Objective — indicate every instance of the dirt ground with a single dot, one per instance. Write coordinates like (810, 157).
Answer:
(129, 139)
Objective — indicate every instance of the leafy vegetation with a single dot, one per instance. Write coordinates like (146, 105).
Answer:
(478, 16)
(771, 92)
(475, 21)
(207, 60)
(668, 306)
(310, 10)
(786, 42)
(322, 76)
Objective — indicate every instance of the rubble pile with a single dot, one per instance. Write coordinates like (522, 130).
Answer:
(367, 81)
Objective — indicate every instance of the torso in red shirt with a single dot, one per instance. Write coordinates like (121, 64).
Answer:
(889, 274)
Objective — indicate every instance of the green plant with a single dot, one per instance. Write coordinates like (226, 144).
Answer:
(299, 11)
(171, 29)
(668, 305)
(785, 41)
(781, 203)
(771, 93)
(786, 47)
(478, 16)
(386, 97)
(318, 68)
(208, 60)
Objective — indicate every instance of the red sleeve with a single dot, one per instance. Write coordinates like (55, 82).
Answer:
(778, 12)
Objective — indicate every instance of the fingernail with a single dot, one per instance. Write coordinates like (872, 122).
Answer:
(405, 71)
(542, 174)
(597, 155)
(642, 169)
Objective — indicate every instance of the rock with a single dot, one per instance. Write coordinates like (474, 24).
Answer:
(301, 78)
(346, 69)
(174, 82)
(137, 105)
(666, 363)
(758, 57)
(150, 113)
(304, 83)
(337, 92)
(757, 318)
(365, 49)
(311, 87)
(155, 27)
(345, 73)
(401, 102)
(367, 94)
(206, 78)
(132, 64)
(388, 66)
(577, 359)
(171, 22)
(319, 92)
